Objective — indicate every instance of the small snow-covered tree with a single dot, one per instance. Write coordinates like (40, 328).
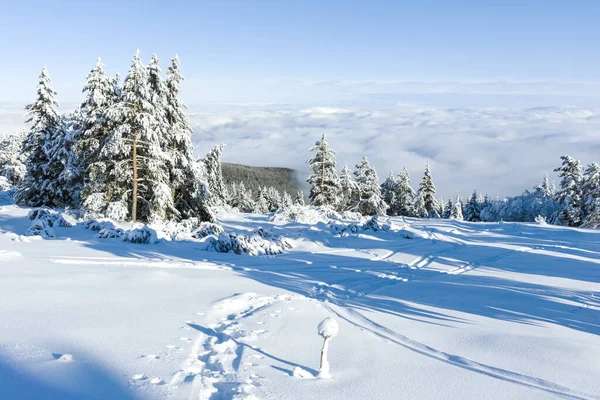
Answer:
(448, 210)
(427, 193)
(214, 174)
(323, 177)
(348, 197)
(44, 118)
(261, 206)
(569, 194)
(389, 187)
(273, 198)
(405, 195)
(299, 200)
(286, 200)
(12, 158)
(591, 196)
(456, 212)
(473, 209)
(369, 191)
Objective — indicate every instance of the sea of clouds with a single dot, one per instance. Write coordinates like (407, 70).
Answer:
(499, 151)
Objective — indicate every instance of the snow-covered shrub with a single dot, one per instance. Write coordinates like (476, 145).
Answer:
(374, 225)
(99, 224)
(140, 234)
(43, 221)
(250, 245)
(117, 211)
(305, 214)
(540, 220)
(110, 233)
(263, 233)
(95, 204)
(206, 229)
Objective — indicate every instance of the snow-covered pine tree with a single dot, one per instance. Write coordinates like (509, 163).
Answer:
(569, 194)
(12, 158)
(179, 129)
(427, 193)
(273, 198)
(261, 206)
(99, 92)
(44, 118)
(348, 195)
(405, 195)
(420, 210)
(448, 209)
(245, 201)
(299, 200)
(214, 175)
(139, 172)
(591, 196)
(323, 177)
(389, 187)
(457, 213)
(64, 164)
(286, 200)
(473, 209)
(158, 93)
(369, 191)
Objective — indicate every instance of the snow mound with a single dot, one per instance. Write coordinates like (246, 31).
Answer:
(328, 328)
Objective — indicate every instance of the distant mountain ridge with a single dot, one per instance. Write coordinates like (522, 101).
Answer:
(282, 179)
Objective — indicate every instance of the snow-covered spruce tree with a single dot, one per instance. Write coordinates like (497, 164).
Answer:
(299, 200)
(214, 175)
(427, 193)
(245, 203)
(389, 187)
(99, 92)
(261, 206)
(179, 144)
(369, 191)
(139, 172)
(286, 200)
(488, 210)
(448, 210)
(569, 194)
(591, 196)
(420, 210)
(348, 195)
(405, 195)
(64, 164)
(273, 198)
(44, 118)
(473, 209)
(456, 212)
(323, 177)
(12, 158)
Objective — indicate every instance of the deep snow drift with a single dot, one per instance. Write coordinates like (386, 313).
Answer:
(427, 309)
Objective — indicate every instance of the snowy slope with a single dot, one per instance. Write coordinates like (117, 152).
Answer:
(460, 311)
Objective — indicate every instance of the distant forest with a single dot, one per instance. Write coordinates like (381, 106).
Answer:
(255, 178)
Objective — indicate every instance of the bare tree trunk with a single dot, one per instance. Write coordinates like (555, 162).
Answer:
(324, 364)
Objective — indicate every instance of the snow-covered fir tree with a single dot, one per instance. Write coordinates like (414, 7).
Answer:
(261, 206)
(405, 195)
(569, 194)
(214, 175)
(13, 158)
(473, 209)
(590, 188)
(179, 138)
(273, 198)
(389, 187)
(457, 213)
(427, 193)
(323, 177)
(299, 200)
(33, 188)
(448, 209)
(99, 94)
(369, 191)
(286, 200)
(348, 195)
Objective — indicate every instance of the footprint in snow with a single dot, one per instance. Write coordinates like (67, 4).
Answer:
(63, 358)
(157, 381)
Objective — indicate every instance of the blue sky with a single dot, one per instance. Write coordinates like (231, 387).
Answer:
(285, 51)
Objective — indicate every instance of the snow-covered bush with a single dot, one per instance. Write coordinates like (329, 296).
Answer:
(140, 234)
(206, 229)
(43, 221)
(374, 225)
(540, 220)
(250, 245)
(308, 214)
(117, 211)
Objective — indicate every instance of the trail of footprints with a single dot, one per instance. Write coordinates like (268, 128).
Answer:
(221, 361)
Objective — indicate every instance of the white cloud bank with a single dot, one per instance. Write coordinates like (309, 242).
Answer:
(494, 150)
(498, 151)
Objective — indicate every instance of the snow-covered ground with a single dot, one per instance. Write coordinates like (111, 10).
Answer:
(460, 311)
